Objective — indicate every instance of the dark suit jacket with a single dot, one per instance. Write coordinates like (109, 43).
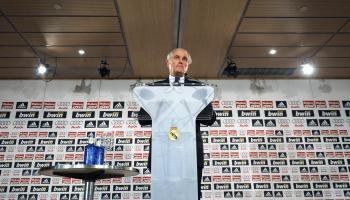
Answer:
(207, 109)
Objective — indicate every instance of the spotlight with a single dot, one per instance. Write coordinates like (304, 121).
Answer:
(231, 69)
(104, 68)
(307, 67)
(42, 69)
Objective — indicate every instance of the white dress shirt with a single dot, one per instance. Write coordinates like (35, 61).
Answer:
(172, 80)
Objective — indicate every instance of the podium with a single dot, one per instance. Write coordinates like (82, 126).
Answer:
(173, 110)
(89, 174)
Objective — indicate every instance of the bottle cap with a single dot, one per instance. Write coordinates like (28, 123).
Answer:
(98, 142)
(91, 140)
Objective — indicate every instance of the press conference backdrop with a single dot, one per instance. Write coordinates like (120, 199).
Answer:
(279, 139)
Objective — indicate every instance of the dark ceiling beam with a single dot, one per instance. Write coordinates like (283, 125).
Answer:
(179, 17)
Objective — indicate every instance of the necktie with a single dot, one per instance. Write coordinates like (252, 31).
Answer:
(177, 80)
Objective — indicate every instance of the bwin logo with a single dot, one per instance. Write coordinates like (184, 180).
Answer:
(54, 114)
(27, 114)
(329, 113)
(224, 113)
(133, 114)
(302, 113)
(248, 113)
(86, 114)
(275, 113)
(110, 114)
(4, 115)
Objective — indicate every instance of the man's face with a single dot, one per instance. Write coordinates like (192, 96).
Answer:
(178, 64)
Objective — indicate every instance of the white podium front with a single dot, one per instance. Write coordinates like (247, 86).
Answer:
(173, 110)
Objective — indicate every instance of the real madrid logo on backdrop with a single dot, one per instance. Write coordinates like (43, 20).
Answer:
(174, 133)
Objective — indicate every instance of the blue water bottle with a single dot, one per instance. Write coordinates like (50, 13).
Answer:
(100, 153)
(90, 152)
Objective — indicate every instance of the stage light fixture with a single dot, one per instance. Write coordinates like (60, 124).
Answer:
(104, 68)
(42, 69)
(307, 67)
(231, 69)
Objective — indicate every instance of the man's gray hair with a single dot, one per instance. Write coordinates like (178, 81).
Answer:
(170, 55)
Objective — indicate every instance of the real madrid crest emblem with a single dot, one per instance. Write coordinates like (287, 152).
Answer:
(174, 133)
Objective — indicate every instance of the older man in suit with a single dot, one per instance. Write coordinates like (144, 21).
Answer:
(178, 61)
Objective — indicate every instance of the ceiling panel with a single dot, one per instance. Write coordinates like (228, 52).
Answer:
(264, 52)
(16, 52)
(68, 7)
(148, 31)
(327, 72)
(72, 39)
(66, 24)
(89, 73)
(334, 52)
(346, 28)
(340, 40)
(148, 27)
(266, 62)
(91, 51)
(291, 25)
(93, 63)
(298, 8)
(332, 62)
(17, 73)
(280, 39)
(18, 62)
(5, 26)
(207, 33)
(11, 39)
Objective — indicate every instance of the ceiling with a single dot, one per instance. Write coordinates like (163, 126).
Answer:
(134, 37)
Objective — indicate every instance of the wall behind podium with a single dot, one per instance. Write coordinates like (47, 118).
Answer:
(272, 139)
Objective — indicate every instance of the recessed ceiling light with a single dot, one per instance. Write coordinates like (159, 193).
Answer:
(303, 9)
(81, 52)
(57, 6)
(272, 51)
